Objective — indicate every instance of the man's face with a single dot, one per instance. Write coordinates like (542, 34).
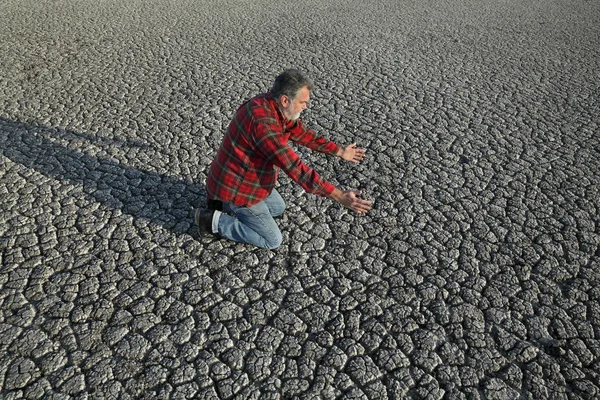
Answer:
(293, 107)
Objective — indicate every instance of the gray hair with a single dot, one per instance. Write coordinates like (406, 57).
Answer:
(289, 82)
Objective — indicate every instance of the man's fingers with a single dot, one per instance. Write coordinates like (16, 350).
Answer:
(362, 210)
(362, 206)
(356, 204)
(354, 154)
(359, 154)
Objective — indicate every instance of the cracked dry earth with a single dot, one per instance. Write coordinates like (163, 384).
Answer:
(475, 276)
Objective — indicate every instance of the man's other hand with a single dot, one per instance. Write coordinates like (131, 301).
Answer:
(351, 153)
(350, 200)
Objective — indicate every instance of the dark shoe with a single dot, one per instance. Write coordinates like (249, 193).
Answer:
(204, 219)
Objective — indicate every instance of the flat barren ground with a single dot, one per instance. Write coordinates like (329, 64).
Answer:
(475, 276)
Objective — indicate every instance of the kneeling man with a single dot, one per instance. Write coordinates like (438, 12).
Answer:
(241, 197)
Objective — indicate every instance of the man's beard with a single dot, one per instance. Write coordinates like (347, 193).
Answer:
(293, 117)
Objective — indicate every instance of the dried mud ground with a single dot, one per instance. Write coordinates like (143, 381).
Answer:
(475, 276)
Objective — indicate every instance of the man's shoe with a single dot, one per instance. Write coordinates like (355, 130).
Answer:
(204, 219)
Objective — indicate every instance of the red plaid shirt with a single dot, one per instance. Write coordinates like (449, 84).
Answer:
(253, 150)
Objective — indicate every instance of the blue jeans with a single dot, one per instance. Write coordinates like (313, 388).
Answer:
(254, 225)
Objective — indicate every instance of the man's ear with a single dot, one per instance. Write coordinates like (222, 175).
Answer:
(284, 100)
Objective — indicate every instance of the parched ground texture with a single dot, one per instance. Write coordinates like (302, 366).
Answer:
(475, 276)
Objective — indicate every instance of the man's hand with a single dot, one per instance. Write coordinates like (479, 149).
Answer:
(349, 200)
(351, 153)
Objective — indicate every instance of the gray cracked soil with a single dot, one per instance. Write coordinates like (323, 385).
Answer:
(476, 275)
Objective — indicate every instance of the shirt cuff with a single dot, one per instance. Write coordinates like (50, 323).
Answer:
(333, 148)
(328, 188)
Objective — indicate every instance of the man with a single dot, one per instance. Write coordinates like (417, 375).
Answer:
(242, 199)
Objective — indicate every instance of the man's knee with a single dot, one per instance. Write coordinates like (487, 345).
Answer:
(274, 242)
(276, 204)
(277, 209)
(278, 214)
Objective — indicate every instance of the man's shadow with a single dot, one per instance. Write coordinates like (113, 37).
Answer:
(162, 200)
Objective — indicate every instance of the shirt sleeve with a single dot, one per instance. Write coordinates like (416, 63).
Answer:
(271, 143)
(300, 134)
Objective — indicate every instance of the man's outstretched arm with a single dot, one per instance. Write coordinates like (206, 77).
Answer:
(306, 137)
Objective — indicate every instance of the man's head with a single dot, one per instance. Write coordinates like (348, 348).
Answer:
(292, 89)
